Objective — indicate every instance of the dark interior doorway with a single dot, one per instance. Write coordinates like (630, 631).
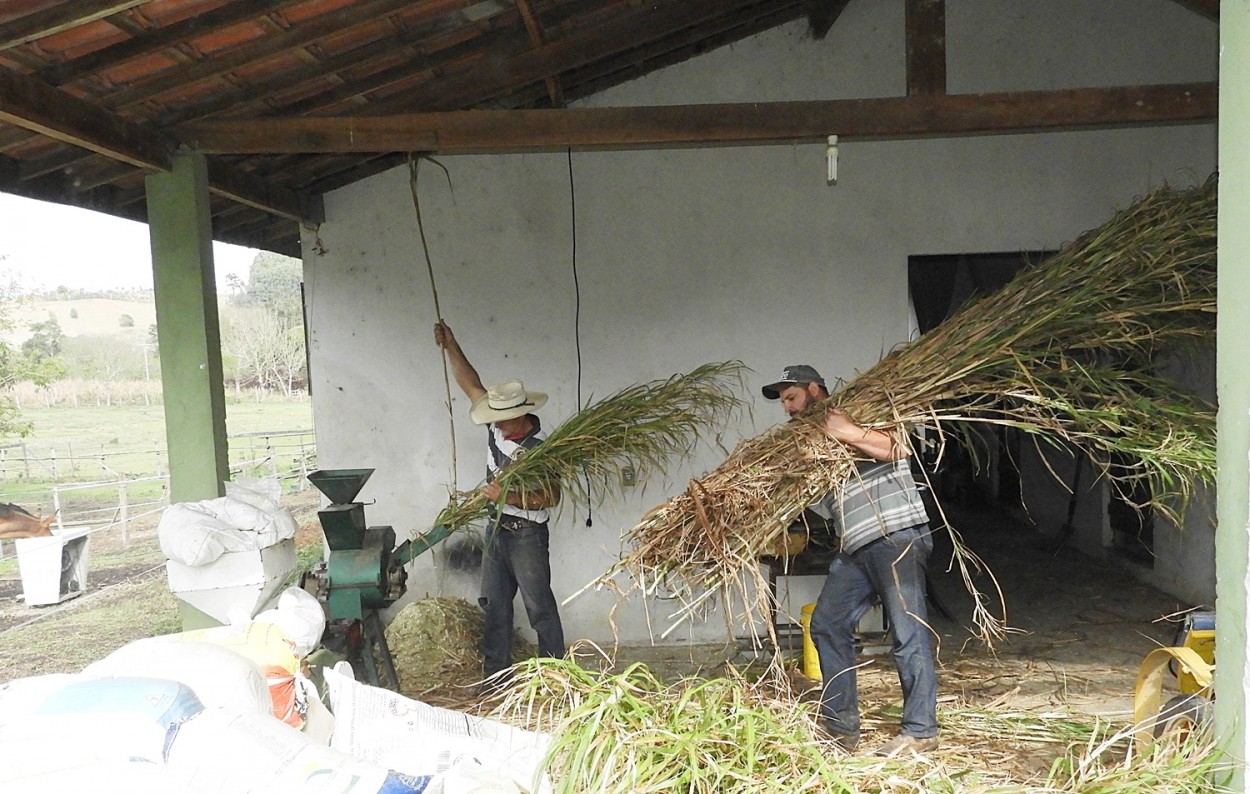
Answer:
(941, 284)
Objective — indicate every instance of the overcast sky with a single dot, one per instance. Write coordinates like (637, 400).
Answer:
(52, 245)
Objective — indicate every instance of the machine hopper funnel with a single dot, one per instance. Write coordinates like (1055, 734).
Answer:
(340, 485)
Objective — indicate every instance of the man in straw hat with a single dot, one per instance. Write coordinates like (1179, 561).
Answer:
(884, 545)
(516, 554)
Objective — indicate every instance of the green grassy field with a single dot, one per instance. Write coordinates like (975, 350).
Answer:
(108, 443)
(90, 427)
(129, 596)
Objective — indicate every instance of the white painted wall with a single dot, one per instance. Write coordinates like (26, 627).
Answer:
(686, 256)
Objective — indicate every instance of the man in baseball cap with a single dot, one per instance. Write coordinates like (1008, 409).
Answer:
(884, 544)
(799, 386)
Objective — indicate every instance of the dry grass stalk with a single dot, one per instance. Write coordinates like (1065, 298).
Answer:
(1066, 352)
(646, 426)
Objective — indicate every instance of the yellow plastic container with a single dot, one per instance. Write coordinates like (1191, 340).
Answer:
(811, 662)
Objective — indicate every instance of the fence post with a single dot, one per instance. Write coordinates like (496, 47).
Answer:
(4, 465)
(56, 507)
(123, 508)
(273, 456)
(25, 462)
(55, 476)
(156, 447)
(73, 466)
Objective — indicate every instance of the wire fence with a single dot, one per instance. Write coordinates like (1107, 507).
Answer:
(114, 489)
(254, 454)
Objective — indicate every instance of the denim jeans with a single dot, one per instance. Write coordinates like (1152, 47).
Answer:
(517, 559)
(893, 568)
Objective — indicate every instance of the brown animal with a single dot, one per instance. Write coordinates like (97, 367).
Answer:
(17, 523)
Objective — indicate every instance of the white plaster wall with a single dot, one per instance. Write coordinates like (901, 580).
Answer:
(686, 256)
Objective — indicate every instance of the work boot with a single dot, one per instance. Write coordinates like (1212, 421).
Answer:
(904, 744)
(845, 741)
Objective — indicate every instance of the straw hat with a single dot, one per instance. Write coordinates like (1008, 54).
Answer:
(506, 400)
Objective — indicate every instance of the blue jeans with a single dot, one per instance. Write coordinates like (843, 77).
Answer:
(517, 559)
(893, 568)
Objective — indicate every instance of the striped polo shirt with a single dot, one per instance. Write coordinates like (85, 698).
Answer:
(500, 452)
(879, 498)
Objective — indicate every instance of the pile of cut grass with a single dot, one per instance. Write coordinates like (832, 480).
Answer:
(630, 732)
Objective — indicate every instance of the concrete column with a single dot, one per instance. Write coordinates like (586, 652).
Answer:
(1232, 539)
(187, 326)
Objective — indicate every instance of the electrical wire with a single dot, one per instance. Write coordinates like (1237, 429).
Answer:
(577, 301)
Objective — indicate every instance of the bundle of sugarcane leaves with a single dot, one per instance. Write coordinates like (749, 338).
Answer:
(647, 426)
(1068, 352)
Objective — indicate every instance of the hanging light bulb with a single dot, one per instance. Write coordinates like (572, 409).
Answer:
(831, 160)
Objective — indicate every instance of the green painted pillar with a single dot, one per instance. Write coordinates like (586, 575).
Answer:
(1232, 538)
(188, 329)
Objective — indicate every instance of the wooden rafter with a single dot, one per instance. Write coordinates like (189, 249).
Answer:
(925, 23)
(1208, 8)
(159, 39)
(822, 14)
(60, 18)
(621, 34)
(484, 131)
(247, 54)
(42, 109)
(538, 39)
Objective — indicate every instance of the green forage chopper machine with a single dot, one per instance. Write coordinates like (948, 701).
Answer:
(362, 573)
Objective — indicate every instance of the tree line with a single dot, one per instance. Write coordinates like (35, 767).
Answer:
(262, 340)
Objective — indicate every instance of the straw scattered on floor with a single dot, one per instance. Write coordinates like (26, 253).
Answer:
(630, 732)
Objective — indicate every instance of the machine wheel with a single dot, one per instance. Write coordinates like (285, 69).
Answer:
(1183, 716)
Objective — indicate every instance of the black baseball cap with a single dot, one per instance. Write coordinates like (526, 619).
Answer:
(794, 373)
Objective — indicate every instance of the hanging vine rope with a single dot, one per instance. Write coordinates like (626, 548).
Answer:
(414, 169)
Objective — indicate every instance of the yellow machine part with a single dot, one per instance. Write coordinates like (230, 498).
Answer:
(1148, 692)
(1201, 642)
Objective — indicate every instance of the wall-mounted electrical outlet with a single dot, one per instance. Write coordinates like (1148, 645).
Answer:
(629, 477)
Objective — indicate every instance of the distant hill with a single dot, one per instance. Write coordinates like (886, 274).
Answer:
(94, 316)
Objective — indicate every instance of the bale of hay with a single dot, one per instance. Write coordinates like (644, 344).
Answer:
(435, 643)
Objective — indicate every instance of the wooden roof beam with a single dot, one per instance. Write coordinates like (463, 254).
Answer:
(37, 107)
(159, 39)
(251, 52)
(60, 18)
(1208, 8)
(926, 47)
(495, 131)
(538, 39)
(622, 34)
(822, 14)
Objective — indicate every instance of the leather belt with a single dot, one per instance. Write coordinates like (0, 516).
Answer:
(511, 523)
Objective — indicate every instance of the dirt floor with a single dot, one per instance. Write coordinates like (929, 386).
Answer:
(1080, 626)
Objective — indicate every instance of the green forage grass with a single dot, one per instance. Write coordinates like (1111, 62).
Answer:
(646, 426)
